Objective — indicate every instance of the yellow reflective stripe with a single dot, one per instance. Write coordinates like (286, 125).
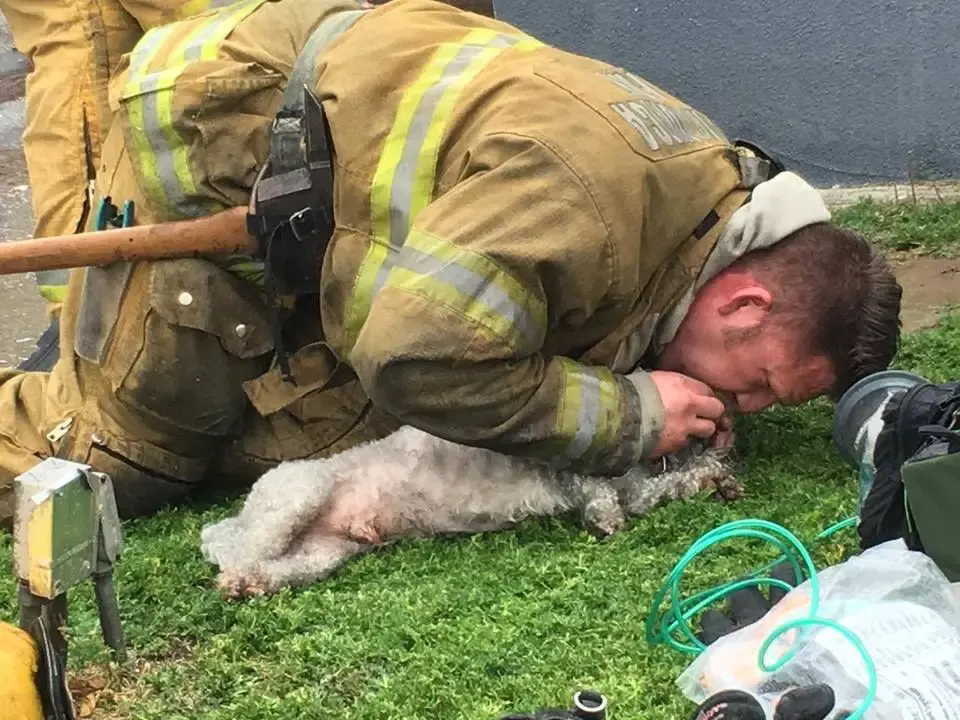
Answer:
(163, 159)
(460, 70)
(53, 293)
(192, 7)
(52, 284)
(143, 51)
(472, 286)
(202, 43)
(146, 160)
(588, 412)
(528, 43)
(406, 172)
(195, 7)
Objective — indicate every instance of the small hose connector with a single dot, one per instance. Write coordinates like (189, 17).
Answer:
(590, 705)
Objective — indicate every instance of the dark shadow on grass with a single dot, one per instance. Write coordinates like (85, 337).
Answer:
(215, 492)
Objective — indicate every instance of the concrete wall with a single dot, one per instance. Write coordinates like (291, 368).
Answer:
(847, 91)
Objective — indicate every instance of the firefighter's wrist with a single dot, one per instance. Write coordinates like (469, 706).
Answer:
(641, 413)
(647, 409)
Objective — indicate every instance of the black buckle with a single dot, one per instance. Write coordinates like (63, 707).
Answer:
(294, 253)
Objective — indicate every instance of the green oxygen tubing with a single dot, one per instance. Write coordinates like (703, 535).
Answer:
(664, 627)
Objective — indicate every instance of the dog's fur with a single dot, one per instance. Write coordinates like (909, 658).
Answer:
(305, 518)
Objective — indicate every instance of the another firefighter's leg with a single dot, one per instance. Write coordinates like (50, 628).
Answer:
(60, 106)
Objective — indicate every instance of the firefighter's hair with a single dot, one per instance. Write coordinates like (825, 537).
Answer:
(839, 292)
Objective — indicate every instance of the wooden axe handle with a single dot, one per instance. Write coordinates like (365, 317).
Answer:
(222, 233)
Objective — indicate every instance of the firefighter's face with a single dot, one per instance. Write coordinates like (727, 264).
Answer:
(730, 341)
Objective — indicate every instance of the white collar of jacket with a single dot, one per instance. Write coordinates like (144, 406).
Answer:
(778, 207)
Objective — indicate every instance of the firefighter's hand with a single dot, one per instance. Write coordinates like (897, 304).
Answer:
(19, 698)
(691, 409)
(812, 702)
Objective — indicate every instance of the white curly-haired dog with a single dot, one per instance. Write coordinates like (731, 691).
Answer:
(305, 518)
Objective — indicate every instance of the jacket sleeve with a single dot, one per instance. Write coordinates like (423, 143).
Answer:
(457, 339)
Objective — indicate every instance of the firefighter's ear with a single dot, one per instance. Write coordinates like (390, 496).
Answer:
(753, 299)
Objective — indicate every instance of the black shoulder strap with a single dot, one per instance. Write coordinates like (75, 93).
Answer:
(286, 146)
(291, 205)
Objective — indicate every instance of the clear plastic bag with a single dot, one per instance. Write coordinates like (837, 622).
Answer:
(897, 602)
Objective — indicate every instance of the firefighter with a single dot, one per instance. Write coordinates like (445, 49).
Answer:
(73, 46)
(533, 251)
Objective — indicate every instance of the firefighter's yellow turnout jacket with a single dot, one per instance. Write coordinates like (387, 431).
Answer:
(508, 216)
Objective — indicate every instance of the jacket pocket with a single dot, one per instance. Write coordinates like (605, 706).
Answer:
(187, 337)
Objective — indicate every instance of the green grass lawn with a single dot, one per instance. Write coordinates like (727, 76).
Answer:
(928, 229)
(471, 627)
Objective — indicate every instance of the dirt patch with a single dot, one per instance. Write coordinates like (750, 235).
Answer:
(98, 690)
(930, 286)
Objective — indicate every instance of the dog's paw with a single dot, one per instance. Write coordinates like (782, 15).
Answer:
(726, 488)
(240, 585)
(603, 518)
